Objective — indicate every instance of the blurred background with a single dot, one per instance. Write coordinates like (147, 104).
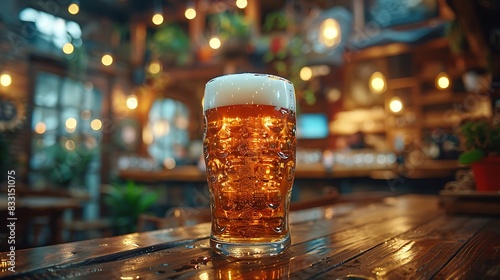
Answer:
(101, 100)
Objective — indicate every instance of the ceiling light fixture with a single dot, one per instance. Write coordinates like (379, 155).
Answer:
(74, 8)
(5, 80)
(242, 4)
(396, 105)
(132, 102)
(330, 33)
(215, 42)
(68, 48)
(442, 81)
(107, 59)
(190, 12)
(157, 18)
(377, 83)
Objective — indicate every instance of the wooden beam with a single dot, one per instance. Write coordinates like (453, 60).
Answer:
(137, 42)
(252, 14)
(197, 25)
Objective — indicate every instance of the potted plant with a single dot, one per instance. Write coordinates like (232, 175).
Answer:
(481, 149)
(126, 202)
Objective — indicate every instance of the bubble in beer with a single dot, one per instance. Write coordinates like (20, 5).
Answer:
(277, 224)
(212, 170)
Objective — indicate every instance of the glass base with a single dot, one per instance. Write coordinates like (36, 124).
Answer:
(250, 250)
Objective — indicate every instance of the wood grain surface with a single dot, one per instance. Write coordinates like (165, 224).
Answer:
(405, 237)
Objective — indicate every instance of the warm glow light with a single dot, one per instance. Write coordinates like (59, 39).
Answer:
(377, 82)
(70, 145)
(161, 128)
(132, 102)
(71, 123)
(147, 135)
(154, 67)
(5, 80)
(40, 128)
(68, 48)
(107, 60)
(330, 32)
(96, 124)
(169, 163)
(73, 9)
(442, 81)
(190, 13)
(305, 73)
(181, 122)
(396, 105)
(157, 19)
(215, 43)
(242, 4)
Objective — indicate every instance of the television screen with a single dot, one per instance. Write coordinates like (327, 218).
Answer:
(312, 126)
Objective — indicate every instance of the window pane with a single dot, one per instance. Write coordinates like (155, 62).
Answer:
(71, 93)
(169, 120)
(47, 86)
(91, 100)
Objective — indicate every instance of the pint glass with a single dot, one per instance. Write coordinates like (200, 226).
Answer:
(249, 150)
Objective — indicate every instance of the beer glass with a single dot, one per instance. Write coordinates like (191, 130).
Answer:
(249, 151)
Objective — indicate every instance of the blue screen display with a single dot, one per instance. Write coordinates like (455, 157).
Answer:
(312, 126)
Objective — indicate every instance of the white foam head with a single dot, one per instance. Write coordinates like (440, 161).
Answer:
(249, 88)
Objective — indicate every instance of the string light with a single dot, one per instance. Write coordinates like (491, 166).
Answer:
(107, 60)
(215, 43)
(396, 105)
(5, 80)
(157, 19)
(68, 48)
(147, 135)
(71, 123)
(305, 73)
(40, 128)
(442, 81)
(154, 67)
(242, 4)
(132, 102)
(96, 124)
(330, 32)
(377, 82)
(190, 13)
(73, 8)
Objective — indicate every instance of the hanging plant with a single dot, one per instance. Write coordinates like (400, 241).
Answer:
(234, 31)
(170, 43)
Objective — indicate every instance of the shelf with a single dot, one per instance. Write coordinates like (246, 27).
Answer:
(395, 49)
(442, 97)
(399, 83)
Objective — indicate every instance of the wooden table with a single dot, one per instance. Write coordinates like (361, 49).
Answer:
(29, 207)
(406, 237)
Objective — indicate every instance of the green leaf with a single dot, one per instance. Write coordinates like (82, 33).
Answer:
(471, 156)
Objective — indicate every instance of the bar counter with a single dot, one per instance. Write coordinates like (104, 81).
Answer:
(425, 169)
(401, 237)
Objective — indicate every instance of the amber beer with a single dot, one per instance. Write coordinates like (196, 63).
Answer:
(249, 149)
